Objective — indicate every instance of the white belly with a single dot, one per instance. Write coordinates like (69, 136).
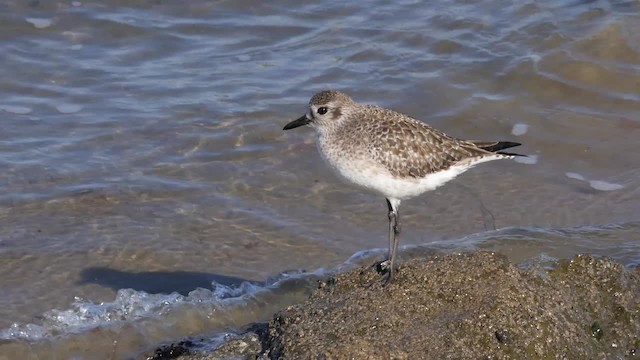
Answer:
(374, 177)
(379, 180)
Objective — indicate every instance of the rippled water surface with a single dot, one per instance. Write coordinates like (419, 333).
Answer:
(141, 148)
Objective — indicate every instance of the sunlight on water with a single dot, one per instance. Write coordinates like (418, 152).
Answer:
(142, 157)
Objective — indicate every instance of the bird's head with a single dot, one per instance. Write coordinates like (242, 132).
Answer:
(326, 110)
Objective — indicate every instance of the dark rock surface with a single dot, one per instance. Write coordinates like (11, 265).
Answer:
(474, 306)
(248, 345)
(171, 351)
(464, 306)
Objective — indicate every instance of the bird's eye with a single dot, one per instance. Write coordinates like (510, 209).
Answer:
(322, 110)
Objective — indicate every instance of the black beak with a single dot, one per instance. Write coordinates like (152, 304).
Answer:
(296, 123)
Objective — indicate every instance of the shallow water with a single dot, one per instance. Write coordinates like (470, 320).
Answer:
(141, 148)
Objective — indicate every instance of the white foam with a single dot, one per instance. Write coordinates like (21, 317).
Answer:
(529, 160)
(76, 47)
(68, 108)
(604, 185)
(15, 109)
(494, 97)
(40, 23)
(132, 305)
(576, 176)
(27, 332)
(76, 3)
(129, 305)
(519, 129)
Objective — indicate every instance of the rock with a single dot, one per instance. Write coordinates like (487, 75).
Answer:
(459, 306)
(171, 351)
(467, 306)
(245, 346)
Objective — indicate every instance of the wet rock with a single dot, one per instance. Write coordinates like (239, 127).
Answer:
(467, 306)
(248, 345)
(462, 306)
(171, 351)
(245, 346)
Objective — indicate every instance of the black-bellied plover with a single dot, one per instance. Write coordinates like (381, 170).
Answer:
(390, 153)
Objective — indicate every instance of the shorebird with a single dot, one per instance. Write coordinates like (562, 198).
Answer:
(390, 153)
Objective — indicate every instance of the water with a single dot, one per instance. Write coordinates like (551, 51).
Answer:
(141, 148)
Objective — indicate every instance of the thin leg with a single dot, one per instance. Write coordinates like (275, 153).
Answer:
(383, 266)
(393, 248)
(392, 219)
(386, 267)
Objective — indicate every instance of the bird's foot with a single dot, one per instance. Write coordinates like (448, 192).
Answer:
(383, 268)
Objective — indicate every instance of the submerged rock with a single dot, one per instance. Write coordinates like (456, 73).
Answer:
(463, 306)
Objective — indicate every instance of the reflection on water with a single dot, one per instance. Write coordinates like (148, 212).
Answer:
(141, 145)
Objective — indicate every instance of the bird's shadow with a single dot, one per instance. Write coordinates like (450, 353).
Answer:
(155, 282)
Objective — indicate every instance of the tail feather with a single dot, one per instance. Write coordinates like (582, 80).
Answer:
(496, 146)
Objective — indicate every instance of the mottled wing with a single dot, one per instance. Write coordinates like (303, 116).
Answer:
(410, 148)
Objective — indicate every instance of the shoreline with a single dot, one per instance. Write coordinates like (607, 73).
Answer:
(470, 305)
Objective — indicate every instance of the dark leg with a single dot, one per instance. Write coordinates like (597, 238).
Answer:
(394, 237)
(392, 222)
(387, 266)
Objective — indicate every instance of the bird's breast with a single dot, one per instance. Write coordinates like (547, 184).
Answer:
(351, 165)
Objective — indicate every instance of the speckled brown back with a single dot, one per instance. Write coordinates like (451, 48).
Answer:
(405, 146)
